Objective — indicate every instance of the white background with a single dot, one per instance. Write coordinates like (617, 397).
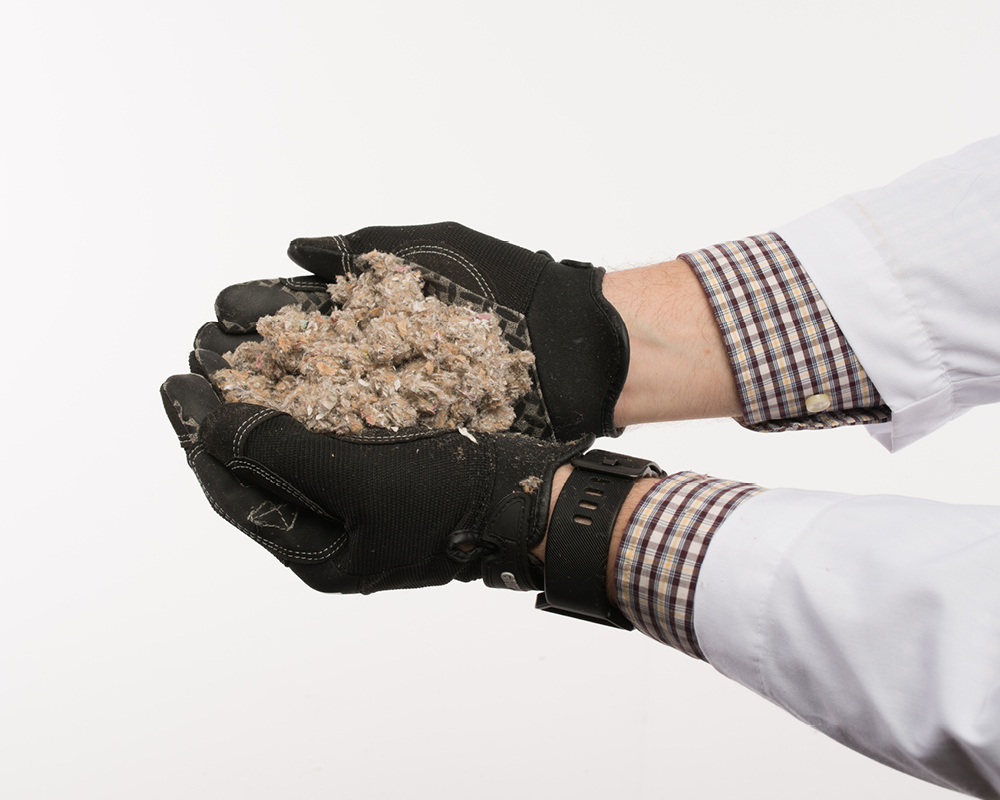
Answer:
(151, 157)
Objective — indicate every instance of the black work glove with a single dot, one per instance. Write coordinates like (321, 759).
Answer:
(379, 511)
(554, 309)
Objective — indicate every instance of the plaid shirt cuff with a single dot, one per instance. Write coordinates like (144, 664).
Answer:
(661, 551)
(793, 367)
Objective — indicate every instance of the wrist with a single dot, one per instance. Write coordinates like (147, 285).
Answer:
(679, 367)
(639, 490)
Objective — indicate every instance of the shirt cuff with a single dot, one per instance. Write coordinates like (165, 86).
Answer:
(660, 554)
(793, 367)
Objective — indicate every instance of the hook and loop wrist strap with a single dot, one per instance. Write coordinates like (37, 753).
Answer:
(576, 549)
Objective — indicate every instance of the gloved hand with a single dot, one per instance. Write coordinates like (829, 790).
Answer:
(380, 511)
(554, 309)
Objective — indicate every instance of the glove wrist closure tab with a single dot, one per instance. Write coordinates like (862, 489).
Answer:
(511, 567)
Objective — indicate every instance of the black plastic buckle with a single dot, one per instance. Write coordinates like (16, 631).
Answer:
(614, 464)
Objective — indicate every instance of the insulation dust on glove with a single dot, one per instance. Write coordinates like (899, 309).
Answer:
(387, 356)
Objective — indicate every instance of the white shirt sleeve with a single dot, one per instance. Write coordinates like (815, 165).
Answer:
(911, 273)
(874, 619)
(877, 619)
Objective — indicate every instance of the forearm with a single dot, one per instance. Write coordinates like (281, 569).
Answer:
(737, 329)
(678, 365)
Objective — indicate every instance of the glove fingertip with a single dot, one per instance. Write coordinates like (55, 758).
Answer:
(207, 332)
(188, 399)
(206, 363)
(238, 307)
(325, 256)
(211, 337)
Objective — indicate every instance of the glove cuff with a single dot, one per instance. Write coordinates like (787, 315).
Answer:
(579, 535)
(581, 348)
(517, 520)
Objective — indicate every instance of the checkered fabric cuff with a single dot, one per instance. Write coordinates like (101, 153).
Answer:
(793, 367)
(661, 551)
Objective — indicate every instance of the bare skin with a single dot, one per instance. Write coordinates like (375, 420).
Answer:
(679, 368)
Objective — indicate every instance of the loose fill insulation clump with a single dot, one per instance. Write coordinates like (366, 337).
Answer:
(387, 356)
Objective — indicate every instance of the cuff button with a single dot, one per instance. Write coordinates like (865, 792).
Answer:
(817, 403)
